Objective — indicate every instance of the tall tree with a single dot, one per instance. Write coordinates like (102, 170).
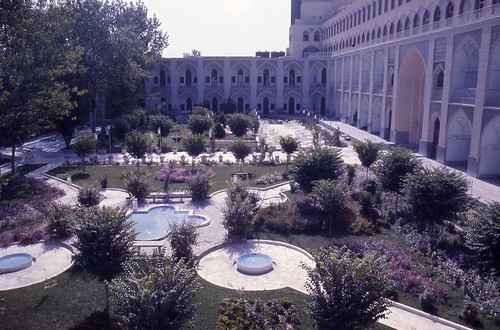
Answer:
(346, 292)
(319, 163)
(104, 239)
(194, 145)
(367, 152)
(35, 57)
(137, 145)
(289, 144)
(241, 150)
(120, 43)
(239, 123)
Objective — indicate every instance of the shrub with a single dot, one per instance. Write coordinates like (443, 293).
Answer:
(239, 124)
(61, 220)
(243, 313)
(31, 235)
(137, 185)
(183, 237)
(362, 225)
(285, 218)
(89, 196)
(320, 163)
(240, 210)
(365, 203)
(104, 181)
(219, 131)
(200, 183)
(269, 178)
(469, 312)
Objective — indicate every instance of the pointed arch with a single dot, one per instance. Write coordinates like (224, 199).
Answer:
(458, 138)
(465, 69)
(494, 77)
(489, 158)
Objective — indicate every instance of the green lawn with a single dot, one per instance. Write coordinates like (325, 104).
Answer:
(91, 175)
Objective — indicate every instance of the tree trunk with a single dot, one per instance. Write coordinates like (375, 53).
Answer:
(107, 297)
(13, 160)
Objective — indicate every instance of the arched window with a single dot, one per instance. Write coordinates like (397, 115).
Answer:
(416, 21)
(368, 12)
(162, 78)
(317, 36)
(215, 105)
(379, 33)
(391, 29)
(449, 10)
(407, 24)
(373, 34)
(400, 2)
(189, 104)
(385, 31)
(213, 75)
(240, 104)
(399, 27)
(291, 77)
(240, 79)
(305, 36)
(426, 18)
(440, 79)
(323, 77)
(392, 4)
(386, 6)
(266, 77)
(189, 80)
(437, 15)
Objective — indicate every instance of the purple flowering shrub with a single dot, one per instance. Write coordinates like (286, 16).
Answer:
(406, 274)
(26, 222)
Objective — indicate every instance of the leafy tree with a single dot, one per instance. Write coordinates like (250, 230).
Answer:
(241, 150)
(84, 144)
(183, 237)
(35, 57)
(137, 145)
(254, 123)
(319, 163)
(194, 145)
(105, 241)
(200, 184)
(89, 196)
(346, 292)
(435, 194)
(289, 144)
(155, 292)
(332, 197)
(137, 185)
(119, 43)
(367, 152)
(483, 233)
(228, 107)
(238, 124)
(160, 121)
(219, 131)
(243, 313)
(199, 121)
(61, 218)
(393, 166)
(240, 210)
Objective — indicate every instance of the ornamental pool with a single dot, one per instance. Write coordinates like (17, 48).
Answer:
(154, 223)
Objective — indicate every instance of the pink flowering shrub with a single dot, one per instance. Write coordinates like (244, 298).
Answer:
(269, 178)
(180, 175)
(406, 274)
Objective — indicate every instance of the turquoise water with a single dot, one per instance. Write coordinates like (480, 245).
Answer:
(155, 223)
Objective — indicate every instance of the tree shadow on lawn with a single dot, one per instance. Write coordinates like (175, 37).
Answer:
(81, 176)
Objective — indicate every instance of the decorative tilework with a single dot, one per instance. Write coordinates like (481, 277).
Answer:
(440, 49)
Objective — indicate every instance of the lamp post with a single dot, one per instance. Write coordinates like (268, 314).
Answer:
(159, 137)
(108, 133)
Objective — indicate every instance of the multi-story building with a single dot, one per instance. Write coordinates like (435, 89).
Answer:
(419, 73)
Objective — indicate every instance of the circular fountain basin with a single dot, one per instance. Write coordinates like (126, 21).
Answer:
(15, 262)
(254, 263)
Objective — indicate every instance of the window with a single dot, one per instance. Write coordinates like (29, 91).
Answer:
(213, 75)
(437, 15)
(426, 18)
(266, 77)
(440, 79)
(449, 10)
(291, 77)
(407, 24)
(305, 36)
(416, 21)
(181, 80)
(188, 77)
(240, 78)
(399, 27)
(317, 36)
(259, 80)
(400, 2)
(156, 80)
(391, 29)
(162, 78)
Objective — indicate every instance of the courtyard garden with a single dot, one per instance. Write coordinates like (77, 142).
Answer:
(434, 246)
